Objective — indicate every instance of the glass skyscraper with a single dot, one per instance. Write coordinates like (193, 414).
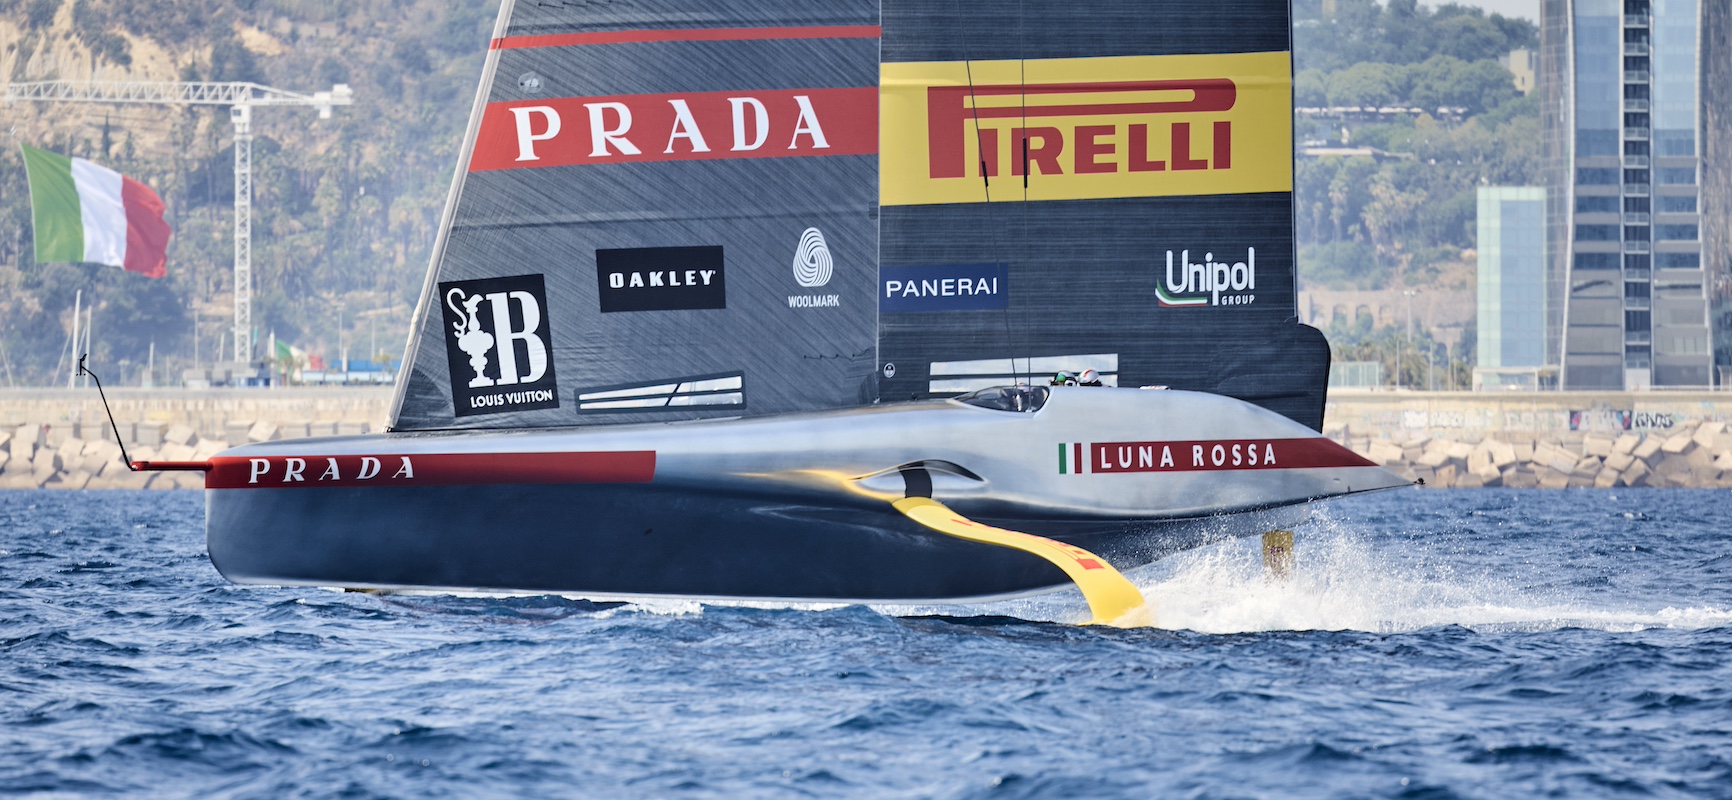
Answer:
(1511, 281)
(1629, 137)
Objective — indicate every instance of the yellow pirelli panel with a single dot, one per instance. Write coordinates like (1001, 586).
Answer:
(1085, 128)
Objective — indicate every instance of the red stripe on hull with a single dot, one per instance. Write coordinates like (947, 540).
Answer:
(1227, 454)
(689, 35)
(429, 469)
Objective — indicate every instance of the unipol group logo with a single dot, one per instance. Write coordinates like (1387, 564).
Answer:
(1060, 129)
(1208, 282)
(813, 267)
(499, 345)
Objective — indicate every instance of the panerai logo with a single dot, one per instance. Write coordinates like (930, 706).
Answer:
(812, 269)
(1209, 282)
(499, 345)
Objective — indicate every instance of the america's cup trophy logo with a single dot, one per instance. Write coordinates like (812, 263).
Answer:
(470, 337)
(499, 345)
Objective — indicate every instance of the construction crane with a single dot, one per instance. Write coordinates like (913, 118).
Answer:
(240, 97)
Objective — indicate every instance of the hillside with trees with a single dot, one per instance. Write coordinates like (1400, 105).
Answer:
(345, 209)
(1406, 217)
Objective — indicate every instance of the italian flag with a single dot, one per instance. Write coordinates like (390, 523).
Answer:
(88, 212)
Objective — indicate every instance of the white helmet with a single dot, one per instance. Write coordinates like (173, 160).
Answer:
(1088, 376)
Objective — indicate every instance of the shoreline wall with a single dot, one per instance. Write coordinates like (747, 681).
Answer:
(1540, 439)
(60, 438)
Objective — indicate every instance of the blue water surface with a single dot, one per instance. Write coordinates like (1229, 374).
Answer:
(1475, 643)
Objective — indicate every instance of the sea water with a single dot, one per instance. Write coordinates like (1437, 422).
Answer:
(1477, 643)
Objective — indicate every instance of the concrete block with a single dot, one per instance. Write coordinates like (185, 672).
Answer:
(56, 434)
(113, 468)
(77, 480)
(174, 452)
(1587, 467)
(33, 435)
(1467, 480)
(1677, 443)
(1606, 479)
(1385, 453)
(1650, 445)
(1520, 479)
(179, 434)
(207, 448)
(262, 432)
(293, 430)
(1445, 477)
(70, 448)
(1619, 461)
(353, 428)
(1707, 433)
(1596, 446)
(236, 432)
(43, 473)
(148, 433)
(1426, 474)
(1723, 461)
(1699, 459)
(1579, 482)
(5, 458)
(92, 446)
(1460, 450)
(1552, 479)
(1434, 459)
(93, 463)
(1502, 453)
(1561, 461)
(1524, 451)
(5, 439)
(1626, 443)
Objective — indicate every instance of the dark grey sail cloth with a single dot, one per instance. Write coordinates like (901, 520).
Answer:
(1077, 283)
(664, 210)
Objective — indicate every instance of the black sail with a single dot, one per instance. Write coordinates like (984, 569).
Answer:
(665, 209)
(1135, 215)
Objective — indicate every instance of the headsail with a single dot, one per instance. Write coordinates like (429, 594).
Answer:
(664, 210)
(1102, 185)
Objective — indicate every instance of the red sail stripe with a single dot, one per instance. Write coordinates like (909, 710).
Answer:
(429, 469)
(689, 35)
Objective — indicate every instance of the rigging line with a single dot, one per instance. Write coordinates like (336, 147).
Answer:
(985, 181)
(1022, 106)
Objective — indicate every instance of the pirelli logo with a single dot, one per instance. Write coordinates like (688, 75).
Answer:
(1062, 129)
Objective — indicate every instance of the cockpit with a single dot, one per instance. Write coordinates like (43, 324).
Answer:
(1008, 398)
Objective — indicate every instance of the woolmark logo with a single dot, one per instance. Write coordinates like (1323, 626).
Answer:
(677, 127)
(813, 267)
(1209, 282)
(812, 264)
(499, 345)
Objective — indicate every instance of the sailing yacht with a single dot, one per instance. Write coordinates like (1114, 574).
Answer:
(778, 300)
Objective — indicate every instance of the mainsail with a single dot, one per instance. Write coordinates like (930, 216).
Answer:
(664, 210)
(1103, 185)
(680, 209)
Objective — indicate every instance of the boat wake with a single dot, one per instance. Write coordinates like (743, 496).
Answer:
(1344, 580)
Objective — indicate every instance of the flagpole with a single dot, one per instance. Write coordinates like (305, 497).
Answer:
(77, 308)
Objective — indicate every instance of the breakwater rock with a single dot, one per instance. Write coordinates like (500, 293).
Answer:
(1695, 454)
(62, 438)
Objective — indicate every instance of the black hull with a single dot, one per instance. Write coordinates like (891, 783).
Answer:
(612, 540)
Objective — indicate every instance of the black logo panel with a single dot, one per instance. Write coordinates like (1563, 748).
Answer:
(661, 279)
(499, 344)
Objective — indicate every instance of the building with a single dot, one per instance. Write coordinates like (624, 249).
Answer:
(1511, 283)
(1522, 64)
(1633, 94)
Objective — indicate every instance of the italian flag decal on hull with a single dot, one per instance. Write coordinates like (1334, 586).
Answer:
(1079, 458)
(85, 212)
